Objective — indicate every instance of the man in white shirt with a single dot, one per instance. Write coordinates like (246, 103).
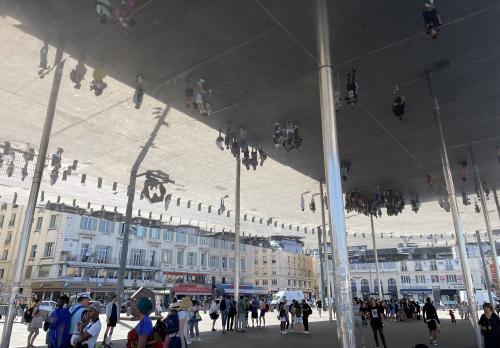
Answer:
(92, 329)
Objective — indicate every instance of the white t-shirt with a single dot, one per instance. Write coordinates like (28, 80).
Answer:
(93, 328)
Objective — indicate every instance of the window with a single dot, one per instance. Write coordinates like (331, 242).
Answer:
(33, 252)
(404, 267)
(273, 259)
(53, 222)
(141, 231)
(48, 251)
(4, 206)
(242, 264)
(257, 282)
(191, 259)
(5, 254)
(106, 226)
(274, 282)
(256, 262)
(102, 253)
(85, 252)
(180, 237)
(420, 279)
(203, 241)
(166, 256)
(193, 239)
(433, 265)
(137, 257)
(224, 262)
(418, 266)
(2, 217)
(180, 257)
(43, 271)
(264, 282)
(264, 260)
(214, 261)
(1, 273)
(231, 263)
(451, 278)
(273, 272)
(8, 238)
(448, 264)
(203, 260)
(435, 278)
(214, 243)
(168, 235)
(154, 233)
(39, 223)
(12, 221)
(27, 274)
(88, 223)
(405, 279)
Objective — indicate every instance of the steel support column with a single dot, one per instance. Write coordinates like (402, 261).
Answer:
(489, 233)
(457, 221)
(33, 197)
(237, 263)
(321, 268)
(342, 283)
(495, 196)
(325, 252)
(380, 294)
(485, 268)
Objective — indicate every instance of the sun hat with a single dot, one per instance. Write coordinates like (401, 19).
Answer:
(186, 303)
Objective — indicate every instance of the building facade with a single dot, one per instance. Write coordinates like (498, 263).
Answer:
(69, 252)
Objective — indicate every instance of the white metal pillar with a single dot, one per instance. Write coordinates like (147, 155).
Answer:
(495, 196)
(237, 229)
(321, 268)
(375, 253)
(31, 205)
(489, 233)
(485, 268)
(457, 221)
(342, 283)
(325, 252)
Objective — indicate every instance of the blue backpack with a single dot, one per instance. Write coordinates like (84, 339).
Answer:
(171, 323)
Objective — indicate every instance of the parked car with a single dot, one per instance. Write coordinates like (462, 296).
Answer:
(48, 306)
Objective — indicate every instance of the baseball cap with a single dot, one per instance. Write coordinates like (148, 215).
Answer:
(95, 306)
(83, 295)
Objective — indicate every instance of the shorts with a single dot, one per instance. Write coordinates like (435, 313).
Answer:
(255, 315)
(112, 323)
(262, 312)
(431, 324)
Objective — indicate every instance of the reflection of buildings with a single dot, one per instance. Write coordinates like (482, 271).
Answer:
(69, 252)
(434, 272)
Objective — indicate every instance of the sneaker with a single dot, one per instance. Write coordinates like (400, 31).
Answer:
(306, 332)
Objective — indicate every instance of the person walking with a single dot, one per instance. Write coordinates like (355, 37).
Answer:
(292, 309)
(358, 323)
(178, 318)
(432, 320)
(376, 312)
(111, 319)
(75, 312)
(282, 317)
(319, 306)
(490, 327)
(254, 310)
(35, 323)
(213, 312)
(306, 312)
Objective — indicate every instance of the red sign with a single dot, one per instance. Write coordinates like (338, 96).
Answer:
(493, 271)
(192, 289)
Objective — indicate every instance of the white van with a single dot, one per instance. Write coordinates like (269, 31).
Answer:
(287, 296)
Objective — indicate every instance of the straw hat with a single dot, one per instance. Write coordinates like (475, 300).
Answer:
(186, 303)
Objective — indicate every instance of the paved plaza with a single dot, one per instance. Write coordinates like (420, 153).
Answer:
(322, 334)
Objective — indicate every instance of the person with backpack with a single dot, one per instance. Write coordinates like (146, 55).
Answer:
(231, 314)
(224, 312)
(319, 306)
(75, 312)
(59, 322)
(175, 323)
(263, 310)
(306, 312)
